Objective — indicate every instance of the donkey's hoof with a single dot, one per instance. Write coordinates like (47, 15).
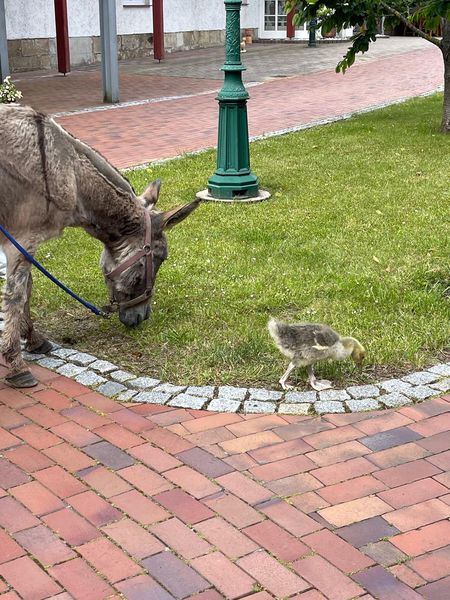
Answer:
(44, 348)
(21, 380)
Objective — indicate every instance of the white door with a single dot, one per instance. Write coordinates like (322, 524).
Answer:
(274, 19)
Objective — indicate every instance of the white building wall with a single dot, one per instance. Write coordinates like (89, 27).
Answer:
(31, 19)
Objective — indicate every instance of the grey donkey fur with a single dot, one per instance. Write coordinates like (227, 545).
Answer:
(48, 181)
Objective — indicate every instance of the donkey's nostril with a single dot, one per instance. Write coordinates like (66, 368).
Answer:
(132, 317)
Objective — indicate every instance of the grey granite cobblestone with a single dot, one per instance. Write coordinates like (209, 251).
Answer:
(70, 370)
(188, 401)
(442, 369)
(82, 358)
(333, 395)
(259, 406)
(300, 397)
(144, 383)
(63, 352)
(121, 376)
(103, 366)
(363, 391)
(264, 395)
(420, 392)
(205, 391)
(394, 400)
(169, 388)
(420, 378)
(224, 405)
(127, 395)
(394, 385)
(363, 404)
(50, 363)
(229, 392)
(114, 382)
(90, 378)
(443, 385)
(111, 389)
(323, 407)
(152, 397)
(304, 408)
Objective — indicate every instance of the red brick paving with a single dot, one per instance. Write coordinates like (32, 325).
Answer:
(101, 500)
(153, 516)
(131, 135)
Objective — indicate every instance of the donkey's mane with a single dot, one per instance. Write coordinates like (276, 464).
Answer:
(100, 163)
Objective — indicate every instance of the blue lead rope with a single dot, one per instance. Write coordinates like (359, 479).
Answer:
(43, 270)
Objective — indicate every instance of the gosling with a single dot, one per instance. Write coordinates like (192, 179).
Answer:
(308, 343)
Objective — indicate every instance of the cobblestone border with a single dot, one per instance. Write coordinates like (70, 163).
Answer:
(112, 381)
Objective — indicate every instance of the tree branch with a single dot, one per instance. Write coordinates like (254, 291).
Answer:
(430, 38)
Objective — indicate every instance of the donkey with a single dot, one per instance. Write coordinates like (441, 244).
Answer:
(50, 180)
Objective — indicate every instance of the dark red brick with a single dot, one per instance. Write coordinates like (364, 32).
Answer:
(180, 579)
(108, 454)
(371, 530)
(383, 585)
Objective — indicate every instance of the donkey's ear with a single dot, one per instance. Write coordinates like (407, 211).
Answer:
(150, 195)
(174, 216)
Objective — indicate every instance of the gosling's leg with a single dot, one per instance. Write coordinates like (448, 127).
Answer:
(317, 384)
(283, 379)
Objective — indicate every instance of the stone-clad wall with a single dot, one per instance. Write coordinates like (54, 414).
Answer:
(37, 54)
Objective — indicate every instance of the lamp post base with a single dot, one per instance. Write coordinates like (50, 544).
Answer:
(260, 197)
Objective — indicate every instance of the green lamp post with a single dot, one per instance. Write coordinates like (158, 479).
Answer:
(233, 179)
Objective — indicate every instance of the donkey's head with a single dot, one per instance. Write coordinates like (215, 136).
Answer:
(130, 270)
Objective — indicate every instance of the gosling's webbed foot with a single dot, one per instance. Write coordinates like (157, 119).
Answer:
(321, 384)
(286, 386)
(21, 380)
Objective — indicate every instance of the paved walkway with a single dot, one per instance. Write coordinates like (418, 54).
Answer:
(103, 500)
(138, 134)
(288, 85)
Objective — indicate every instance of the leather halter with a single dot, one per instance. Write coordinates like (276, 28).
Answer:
(145, 251)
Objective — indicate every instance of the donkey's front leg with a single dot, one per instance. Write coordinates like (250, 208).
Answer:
(36, 342)
(14, 300)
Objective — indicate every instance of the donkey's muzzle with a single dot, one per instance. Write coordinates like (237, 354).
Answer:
(133, 316)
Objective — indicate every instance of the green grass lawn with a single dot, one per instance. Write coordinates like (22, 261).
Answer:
(356, 235)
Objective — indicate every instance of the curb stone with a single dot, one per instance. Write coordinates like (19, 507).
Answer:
(125, 386)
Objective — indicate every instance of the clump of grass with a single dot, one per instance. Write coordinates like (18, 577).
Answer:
(356, 235)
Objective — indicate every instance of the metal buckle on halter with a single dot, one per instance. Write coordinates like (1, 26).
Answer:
(147, 249)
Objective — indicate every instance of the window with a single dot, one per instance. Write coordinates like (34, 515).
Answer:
(136, 2)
